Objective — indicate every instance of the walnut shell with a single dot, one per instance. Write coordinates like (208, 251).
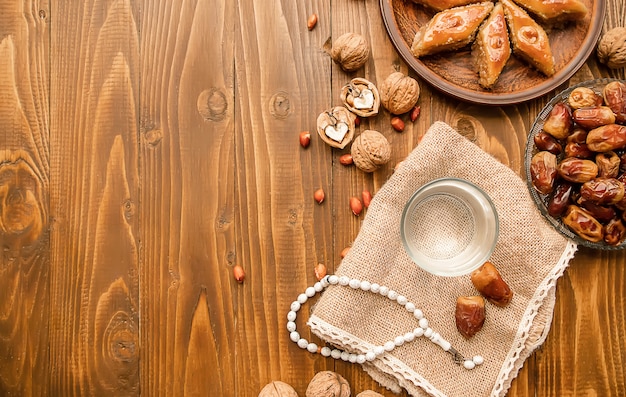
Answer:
(336, 126)
(370, 151)
(612, 48)
(350, 51)
(278, 389)
(328, 384)
(357, 93)
(369, 393)
(399, 93)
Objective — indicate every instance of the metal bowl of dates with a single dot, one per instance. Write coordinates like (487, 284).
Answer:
(449, 227)
(575, 163)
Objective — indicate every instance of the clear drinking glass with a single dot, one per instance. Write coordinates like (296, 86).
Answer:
(449, 227)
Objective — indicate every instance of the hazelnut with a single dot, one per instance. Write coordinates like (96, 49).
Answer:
(350, 51)
(370, 151)
(278, 389)
(328, 384)
(361, 97)
(336, 126)
(612, 48)
(399, 93)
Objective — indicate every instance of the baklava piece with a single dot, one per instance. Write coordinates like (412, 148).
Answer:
(440, 5)
(555, 11)
(530, 41)
(491, 50)
(450, 29)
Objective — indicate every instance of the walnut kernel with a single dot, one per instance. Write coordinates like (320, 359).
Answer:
(612, 48)
(370, 151)
(361, 97)
(336, 126)
(328, 384)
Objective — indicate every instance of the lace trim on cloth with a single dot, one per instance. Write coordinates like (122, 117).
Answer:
(521, 349)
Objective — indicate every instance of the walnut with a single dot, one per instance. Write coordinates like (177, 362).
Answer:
(612, 48)
(350, 51)
(399, 93)
(278, 389)
(328, 384)
(361, 97)
(370, 151)
(336, 126)
(369, 393)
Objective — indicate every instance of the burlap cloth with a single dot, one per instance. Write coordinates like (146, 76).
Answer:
(529, 254)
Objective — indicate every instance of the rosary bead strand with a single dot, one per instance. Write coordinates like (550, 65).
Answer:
(423, 329)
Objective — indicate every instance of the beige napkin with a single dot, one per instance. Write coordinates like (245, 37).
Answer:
(529, 254)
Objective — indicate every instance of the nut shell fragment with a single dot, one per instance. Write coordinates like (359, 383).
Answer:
(336, 126)
(361, 97)
(370, 150)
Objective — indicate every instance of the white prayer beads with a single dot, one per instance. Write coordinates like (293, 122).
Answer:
(423, 329)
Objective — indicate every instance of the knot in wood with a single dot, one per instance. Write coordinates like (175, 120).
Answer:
(212, 104)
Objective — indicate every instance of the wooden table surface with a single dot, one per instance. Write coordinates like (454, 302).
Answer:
(149, 146)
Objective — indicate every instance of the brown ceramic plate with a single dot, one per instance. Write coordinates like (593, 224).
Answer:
(454, 73)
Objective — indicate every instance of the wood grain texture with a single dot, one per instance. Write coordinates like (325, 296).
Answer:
(24, 184)
(187, 160)
(94, 308)
(146, 147)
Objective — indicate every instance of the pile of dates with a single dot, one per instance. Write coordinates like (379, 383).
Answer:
(580, 163)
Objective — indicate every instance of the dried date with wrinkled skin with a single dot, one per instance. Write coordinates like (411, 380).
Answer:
(469, 315)
(577, 170)
(591, 118)
(600, 212)
(559, 122)
(614, 94)
(543, 171)
(582, 97)
(603, 191)
(608, 164)
(579, 150)
(578, 135)
(583, 224)
(614, 232)
(490, 284)
(548, 143)
(607, 138)
(560, 199)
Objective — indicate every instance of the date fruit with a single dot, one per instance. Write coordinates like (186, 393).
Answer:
(559, 122)
(603, 191)
(548, 143)
(600, 212)
(490, 284)
(582, 97)
(607, 138)
(583, 224)
(608, 164)
(615, 232)
(560, 199)
(614, 94)
(469, 315)
(577, 170)
(580, 150)
(543, 171)
(591, 118)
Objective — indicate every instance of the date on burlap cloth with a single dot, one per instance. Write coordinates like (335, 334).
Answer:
(529, 254)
